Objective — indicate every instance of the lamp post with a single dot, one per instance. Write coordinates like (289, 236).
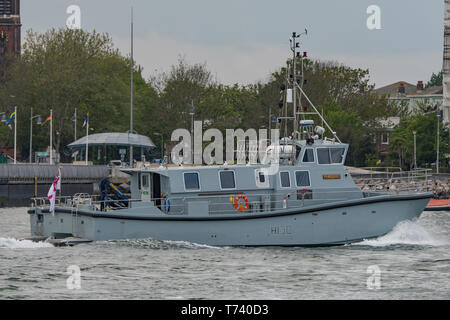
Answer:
(15, 135)
(192, 114)
(437, 140)
(39, 121)
(74, 119)
(415, 158)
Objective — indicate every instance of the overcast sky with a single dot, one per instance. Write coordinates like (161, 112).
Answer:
(243, 41)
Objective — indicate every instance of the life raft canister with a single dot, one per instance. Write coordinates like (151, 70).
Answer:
(239, 205)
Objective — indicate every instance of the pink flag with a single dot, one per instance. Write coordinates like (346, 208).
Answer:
(56, 185)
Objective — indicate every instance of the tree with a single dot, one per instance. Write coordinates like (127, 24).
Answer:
(436, 80)
(184, 87)
(66, 69)
(402, 145)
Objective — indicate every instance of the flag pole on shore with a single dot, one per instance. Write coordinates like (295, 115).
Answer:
(49, 118)
(8, 122)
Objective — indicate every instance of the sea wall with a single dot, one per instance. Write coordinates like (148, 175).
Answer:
(21, 182)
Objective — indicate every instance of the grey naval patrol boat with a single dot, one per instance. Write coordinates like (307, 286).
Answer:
(309, 199)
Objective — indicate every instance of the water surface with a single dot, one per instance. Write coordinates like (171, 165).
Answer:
(413, 260)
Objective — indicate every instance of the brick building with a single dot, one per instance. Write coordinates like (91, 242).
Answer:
(10, 27)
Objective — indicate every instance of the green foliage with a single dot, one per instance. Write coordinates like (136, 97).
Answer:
(351, 130)
(402, 140)
(436, 80)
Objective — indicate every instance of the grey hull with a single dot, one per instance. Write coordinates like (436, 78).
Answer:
(328, 224)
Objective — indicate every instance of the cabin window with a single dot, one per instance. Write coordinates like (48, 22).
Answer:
(285, 179)
(191, 181)
(262, 179)
(323, 155)
(337, 155)
(227, 180)
(309, 155)
(302, 178)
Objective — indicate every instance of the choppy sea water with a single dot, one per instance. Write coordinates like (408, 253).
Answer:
(411, 262)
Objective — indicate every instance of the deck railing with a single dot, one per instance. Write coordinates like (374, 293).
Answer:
(395, 182)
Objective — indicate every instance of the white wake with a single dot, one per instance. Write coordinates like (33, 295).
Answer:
(405, 233)
(11, 243)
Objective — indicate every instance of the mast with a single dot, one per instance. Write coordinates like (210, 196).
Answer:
(298, 86)
(295, 45)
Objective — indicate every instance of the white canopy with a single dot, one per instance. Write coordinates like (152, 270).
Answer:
(118, 139)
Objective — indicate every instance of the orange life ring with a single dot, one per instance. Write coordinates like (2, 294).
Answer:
(240, 206)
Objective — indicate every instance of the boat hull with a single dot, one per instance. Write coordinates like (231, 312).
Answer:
(331, 224)
(438, 205)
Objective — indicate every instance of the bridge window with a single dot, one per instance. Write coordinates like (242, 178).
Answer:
(227, 180)
(323, 155)
(309, 155)
(191, 181)
(337, 155)
(302, 178)
(285, 179)
(330, 155)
